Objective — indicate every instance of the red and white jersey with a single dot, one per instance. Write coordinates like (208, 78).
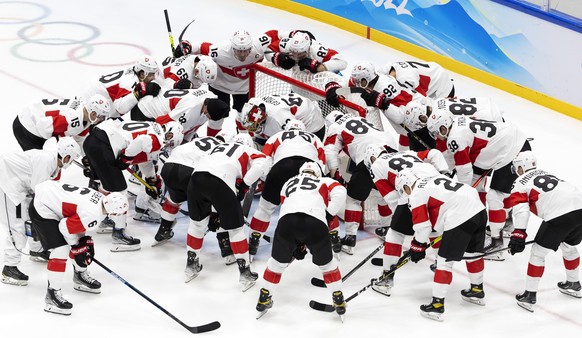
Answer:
(428, 78)
(233, 74)
(175, 69)
(54, 117)
(313, 196)
(140, 140)
(232, 161)
(440, 204)
(545, 195)
(330, 58)
(181, 105)
(24, 170)
(189, 153)
(352, 134)
(283, 108)
(482, 108)
(119, 88)
(386, 167)
(481, 143)
(291, 143)
(78, 209)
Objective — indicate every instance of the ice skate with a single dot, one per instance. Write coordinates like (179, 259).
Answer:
(348, 244)
(146, 215)
(435, 310)
(55, 303)
(385, 283)
(11, 275)
(526, 300)
(123, 242)
(164, 233)
(254, 240)
(225, 249)
(474, 295)
(247, 278)
(339, 304)
(39, 256)
(570, 289)
(491, 244)
(106, 226)
(82, 281)
(193, 266)
(265, 302)
(381, 232)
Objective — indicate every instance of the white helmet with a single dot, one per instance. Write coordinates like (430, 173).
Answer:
(241, 40)
(174, 134)
(526, 160)
(98, 104)
(299, 43)
(244, 139)
(206, 70)
(373, 150)
(253, 116)
(225, 135)
(295, 124)
(333, 116)
(310, 168)
(67, 146)
(415, 116)
(438, 119)
(147, 64)
(405, 177)
(115, 203)
(363, 71)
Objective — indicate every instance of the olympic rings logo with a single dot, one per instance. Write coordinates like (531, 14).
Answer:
(49, 34)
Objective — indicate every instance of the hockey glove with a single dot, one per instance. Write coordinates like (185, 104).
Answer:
(142, 89)
(300, 252)
(283, 60)
(417, 250)
(184, 48)
(517, 241)
(123, 162)
(241, 189)
(332, 221)
(156, 184)
(376, 99)
(336, 243)
(309, 64)
(330, 93)
(213, 222)
(338, 177)
(183, 84)
(83, 252)
(87, 172)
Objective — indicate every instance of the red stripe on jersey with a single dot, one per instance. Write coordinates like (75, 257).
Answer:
(74, 224)
(478, 145)
(137, 133)
(205, 48)
(392, 249)
(423, 154)
(57, 265)
(497, 216)
(533, 198)
(60, 125)
(573, 264)
(334, 185)
(68, 209)
(169, 75)
(240, 247)
(51, 113)
(258, 225)
(420, 214)
(332, 276)
(330, 139)
(164, 119)
(84, 132)
(155, 143)
(535, 271)
(441, 145)
(194, 242)
(384, 210)
(140, 158)
(434, 207)
(423, 83)
(174, 102)
(401, 99)
(243, 160)
(272, 277)
(403, 140)
(115, 92)
(384, 187)
(273, 34)
(270, 148)
(330, 53)
(255, 156)
(462, 157)
(421, 90)
(321, 155)
(475, 266)
(211, 132)
(353, 216)
(515, 199)
(347, 139)
(443, 277)
(324, 193)
(293, 110)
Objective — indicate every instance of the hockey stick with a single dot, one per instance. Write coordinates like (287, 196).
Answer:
(248, 200)
(193, 329)
(169, 30)
(494, 251)
(141, 180)
(402, 261)
(320, 283)
(184, 31)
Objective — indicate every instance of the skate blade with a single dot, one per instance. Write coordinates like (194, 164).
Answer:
(189, 278)
(261, 313)
(526, 306)
(38, 259)
(494, 258)
(247, 285)
(57, 310)
(433, 315)
(381, 290)
(83, 288)
(12, 281)
(162, 242)
(478, 301)
(229, 260)
(348, 249)
(106, 230)
(341, 318)
(148, 219)
(124, 248)
(571, 293)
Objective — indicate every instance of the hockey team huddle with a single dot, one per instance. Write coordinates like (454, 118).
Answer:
(450, 180)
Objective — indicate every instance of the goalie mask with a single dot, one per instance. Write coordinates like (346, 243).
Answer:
(253, 116)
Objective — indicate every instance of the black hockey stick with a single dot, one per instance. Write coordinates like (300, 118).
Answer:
(248, 200)
(494, 251)
(184, 31)
(402, 261)
(193, 329)
(320, 283)
(169, 30)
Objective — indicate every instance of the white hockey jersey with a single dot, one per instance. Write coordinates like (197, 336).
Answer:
(54, 117)
(189, 154)
(482, 108)
(22, 171)
(330, 58)
(440, 204)
(428, 78)
(77, 209)
(484, 144)
(175, 69)
(232, 161)
(312, 196)
(352, 134)
(545, 195)
(118, 87)
(291, 143)
(140, 140)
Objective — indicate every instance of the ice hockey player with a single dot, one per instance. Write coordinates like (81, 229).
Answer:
(352, 134)
(455, 210)
(264, 117)
(126, 87)
(25, 170)
(57, 118)
(289, 149)
(190, 107)
(559, 204)
(220, 180)
(428, 78)
(197, 69)
(479, 146)
(63, 215)
(307, 201)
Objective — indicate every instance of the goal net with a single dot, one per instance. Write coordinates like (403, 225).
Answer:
(267, 79)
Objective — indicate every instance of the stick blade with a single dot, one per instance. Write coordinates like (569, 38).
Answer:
(377, 261)
(317, 282)
(204, 328)
(321, 307)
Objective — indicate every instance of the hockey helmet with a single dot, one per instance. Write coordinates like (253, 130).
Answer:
(373, 151)
(437, 120)
(333, 116)
(253, 115)
(526, 160)
(241, 43)
(174, 134)
(295, 124)
(310, 168)
(115, 203)
(362, 74)
(147, 64)
(100, 105)
(225, 135)
(67, 146)
(244, 139)
(206, 70)
(406, 177)
(415, 116)
(299, 45)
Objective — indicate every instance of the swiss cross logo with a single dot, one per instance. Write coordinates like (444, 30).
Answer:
(147, 60)
(256, 114)
(241, 72)
(100, 101)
